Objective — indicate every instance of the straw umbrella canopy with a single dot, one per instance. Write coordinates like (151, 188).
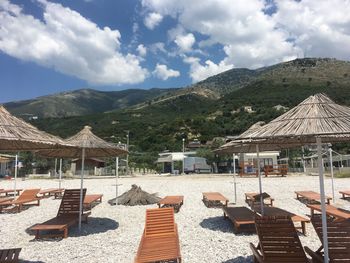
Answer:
(87, 145)
(18, 135)
(318, 120)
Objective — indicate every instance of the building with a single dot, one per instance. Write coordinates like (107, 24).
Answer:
(169, 158)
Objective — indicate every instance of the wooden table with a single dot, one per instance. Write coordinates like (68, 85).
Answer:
(175, 201)
(311, 196)
(250, 199)
(275, 211)
(90, 199)
(214, 199)
(337, 213)
(8, 192)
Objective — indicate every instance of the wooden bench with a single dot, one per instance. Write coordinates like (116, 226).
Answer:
(311, 196)
(9, 255)
(242, 218)
(253, 199)
(89, 200)
(214, 199)
(279, 212)
(278, 241)
(67, 216)
(175, 201)
(27, 197)
(345, 194)
(338, 240)
(50, 192)
(276, 170)
(331, 211)
(160, 239)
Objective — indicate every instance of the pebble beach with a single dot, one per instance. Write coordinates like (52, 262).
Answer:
(113, 233)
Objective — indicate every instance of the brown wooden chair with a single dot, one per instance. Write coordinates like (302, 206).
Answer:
(338, 240)
(160, 239)
(68, 215)
(26, 197)
(278, 241)
(9, 255)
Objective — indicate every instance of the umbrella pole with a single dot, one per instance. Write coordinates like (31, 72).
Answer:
(260, 182)
(332, 172)
(81, 187)
(16, 170)
(116, 179)
(323, 203)
(234, 178)
(60, 179)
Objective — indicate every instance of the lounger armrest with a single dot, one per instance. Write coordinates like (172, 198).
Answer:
(315, 256)
(256, 253)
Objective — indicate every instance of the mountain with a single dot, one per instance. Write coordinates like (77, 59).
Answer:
(81, 102)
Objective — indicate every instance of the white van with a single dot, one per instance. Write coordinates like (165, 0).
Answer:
(196, 165)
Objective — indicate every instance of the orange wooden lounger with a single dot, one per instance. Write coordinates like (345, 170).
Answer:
(50, 192)
(331, 211)
(278, 241)
(89, 200)
(160, 239)
(311, 196)
(26, 197)
(68, 215)
(242, 218)
(214, 199)
(8, 192)
(9, 255)
(175, 201)
(345, 194)
(253, 199)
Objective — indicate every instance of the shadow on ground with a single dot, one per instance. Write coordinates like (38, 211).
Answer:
(240, 259)
(95, 225)
(217, 223)
(29, 261)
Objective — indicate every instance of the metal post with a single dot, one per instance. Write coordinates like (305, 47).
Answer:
(127, 148)
(183, 151)
(60, 179)
(234, 178)
(303, 160)
(323, 203)
(55, 168)
(332, 173)
(81, 187)
(260, 181)
(116, 179)
(16, 167)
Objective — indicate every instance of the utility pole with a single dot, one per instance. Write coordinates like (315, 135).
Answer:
(127, 148)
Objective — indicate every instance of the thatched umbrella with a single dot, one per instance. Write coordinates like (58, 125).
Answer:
(88, 145)
(315, 120)
(18, 135)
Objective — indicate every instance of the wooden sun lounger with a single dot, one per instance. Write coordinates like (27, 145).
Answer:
(253, 199)
(68, 215)
(160, 239)
(338, 240)
(279, 212)
(50, 192)
(214, 199)
(278, 241)
(9, 255)
(345, 194)
(332, 211)
(311, 196)
(8, 192)
(242, 218)
(26, 197)
(89, 200)
(175, 201)
(5, 199)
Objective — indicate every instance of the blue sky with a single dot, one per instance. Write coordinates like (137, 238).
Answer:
(49, 46)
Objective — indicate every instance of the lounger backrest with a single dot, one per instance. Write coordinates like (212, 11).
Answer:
(28, 194)
(279, 240)
(160, 221)
(9, 255)
(338, 238)
(70, 202)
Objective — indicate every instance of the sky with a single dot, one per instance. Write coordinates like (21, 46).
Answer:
(50, 46)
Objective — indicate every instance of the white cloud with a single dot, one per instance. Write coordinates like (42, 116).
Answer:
(199, 72)
(162, 72)
(152, 20)
(142, 50)
(69, 43)
(251, 38)
(185, 42)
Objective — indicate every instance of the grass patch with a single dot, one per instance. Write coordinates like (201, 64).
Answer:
(342, 175)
